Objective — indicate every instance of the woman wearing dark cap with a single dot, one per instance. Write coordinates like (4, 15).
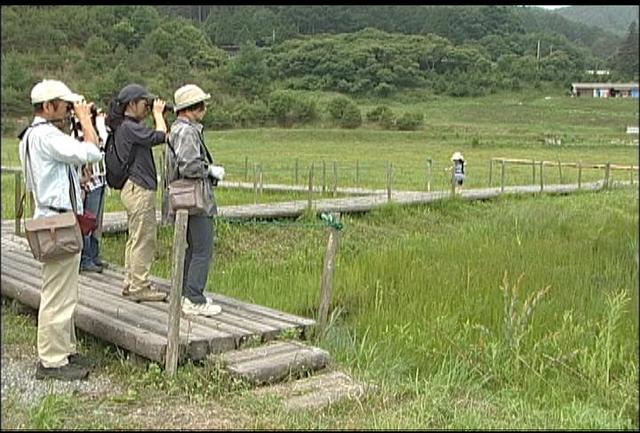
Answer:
(126, 120)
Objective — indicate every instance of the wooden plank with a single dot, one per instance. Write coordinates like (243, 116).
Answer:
(273, 363)
(195, 341)
(111, 329)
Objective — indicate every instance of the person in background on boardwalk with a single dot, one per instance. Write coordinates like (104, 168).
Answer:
(187, 158)
(138, 195)
(49, 173)
(93, 185)
(458, 170)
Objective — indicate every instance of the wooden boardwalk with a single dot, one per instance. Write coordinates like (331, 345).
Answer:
(142, 328)
(115, 222)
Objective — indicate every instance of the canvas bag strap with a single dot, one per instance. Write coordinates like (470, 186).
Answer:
(72, 195)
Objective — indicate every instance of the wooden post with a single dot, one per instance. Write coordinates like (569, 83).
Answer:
(324, 177)
(260, 179)
(335, 178)
(502, 176)
(429, 171)
(326, 288)
(357, 172)
(607, 172)
(560, 170)
(255, 183)
(388, 181)
(175, 297)
(533, 166)
(490, 170)
(579, 174)
(310, 196)
(296, 173)
(18, 191)
(541, 176)
(246, 168)
(631, 176)
(453, 180)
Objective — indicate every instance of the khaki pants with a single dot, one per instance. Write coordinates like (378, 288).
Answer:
(58, 301)
(140, 204)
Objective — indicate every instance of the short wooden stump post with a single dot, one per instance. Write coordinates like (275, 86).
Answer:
(327, 274)
(175, 296)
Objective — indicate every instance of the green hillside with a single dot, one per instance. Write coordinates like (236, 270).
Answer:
(614, 19)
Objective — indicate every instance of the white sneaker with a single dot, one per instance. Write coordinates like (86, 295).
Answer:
(205, 309)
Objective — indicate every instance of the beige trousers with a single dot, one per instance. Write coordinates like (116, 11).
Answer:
(58, 301)
(140, 204)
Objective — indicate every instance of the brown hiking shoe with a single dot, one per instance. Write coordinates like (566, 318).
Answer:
(66, 373)
(147, 295)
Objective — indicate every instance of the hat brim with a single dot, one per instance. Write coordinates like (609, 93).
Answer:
(72, 97)
(192, 102)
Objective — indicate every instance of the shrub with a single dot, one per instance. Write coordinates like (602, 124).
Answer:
(345, 112)
(409, 121)
(288, 107)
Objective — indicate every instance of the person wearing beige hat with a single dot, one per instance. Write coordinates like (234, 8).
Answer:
(48, 156)
(188, 157)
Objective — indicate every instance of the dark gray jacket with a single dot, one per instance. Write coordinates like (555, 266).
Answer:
(190, 159)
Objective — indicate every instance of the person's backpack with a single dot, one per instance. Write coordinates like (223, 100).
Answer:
(117, 170)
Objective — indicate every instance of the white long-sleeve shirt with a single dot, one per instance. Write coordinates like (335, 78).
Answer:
(51, 154)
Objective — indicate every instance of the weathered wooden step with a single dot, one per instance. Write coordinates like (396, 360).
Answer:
(274, 362)
(316, 391)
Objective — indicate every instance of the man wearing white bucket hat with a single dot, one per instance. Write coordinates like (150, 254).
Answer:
(458, 170)
(48, 156)
(188, 157)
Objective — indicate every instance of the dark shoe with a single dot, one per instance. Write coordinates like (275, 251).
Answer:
(81, 360)
(147, 295)
(100, 263)
(91, 268)
(67, 372)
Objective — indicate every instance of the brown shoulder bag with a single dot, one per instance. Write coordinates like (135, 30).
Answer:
(53, 236)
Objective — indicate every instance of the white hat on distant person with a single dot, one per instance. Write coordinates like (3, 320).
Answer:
(189, 95)
(457, 156)
(48, 90)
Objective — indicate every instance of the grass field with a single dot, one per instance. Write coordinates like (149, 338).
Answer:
(519, 312)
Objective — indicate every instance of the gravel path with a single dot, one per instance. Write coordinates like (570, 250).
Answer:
(18, 379)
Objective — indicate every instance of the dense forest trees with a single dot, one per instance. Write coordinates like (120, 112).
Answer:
(288, 50)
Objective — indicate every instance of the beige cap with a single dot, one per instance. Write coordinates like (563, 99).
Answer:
(457, 156)
(188, 95)
(48, 90)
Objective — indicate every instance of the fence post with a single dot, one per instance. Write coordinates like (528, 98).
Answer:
(533, 166)
(357, 172)
(490, 170)
(560, 170)
(579, 174)
(541, 176)
(175, 297)
(310, 197)
(429, 171)
(260, 179)
(324, 177)
(246, 168)
(326, 288)
(631, 176)
(502, 176)
(607, 171)
(335, 178)
(18, 191)
(296, 173)
(255, 183)
(388, 181)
